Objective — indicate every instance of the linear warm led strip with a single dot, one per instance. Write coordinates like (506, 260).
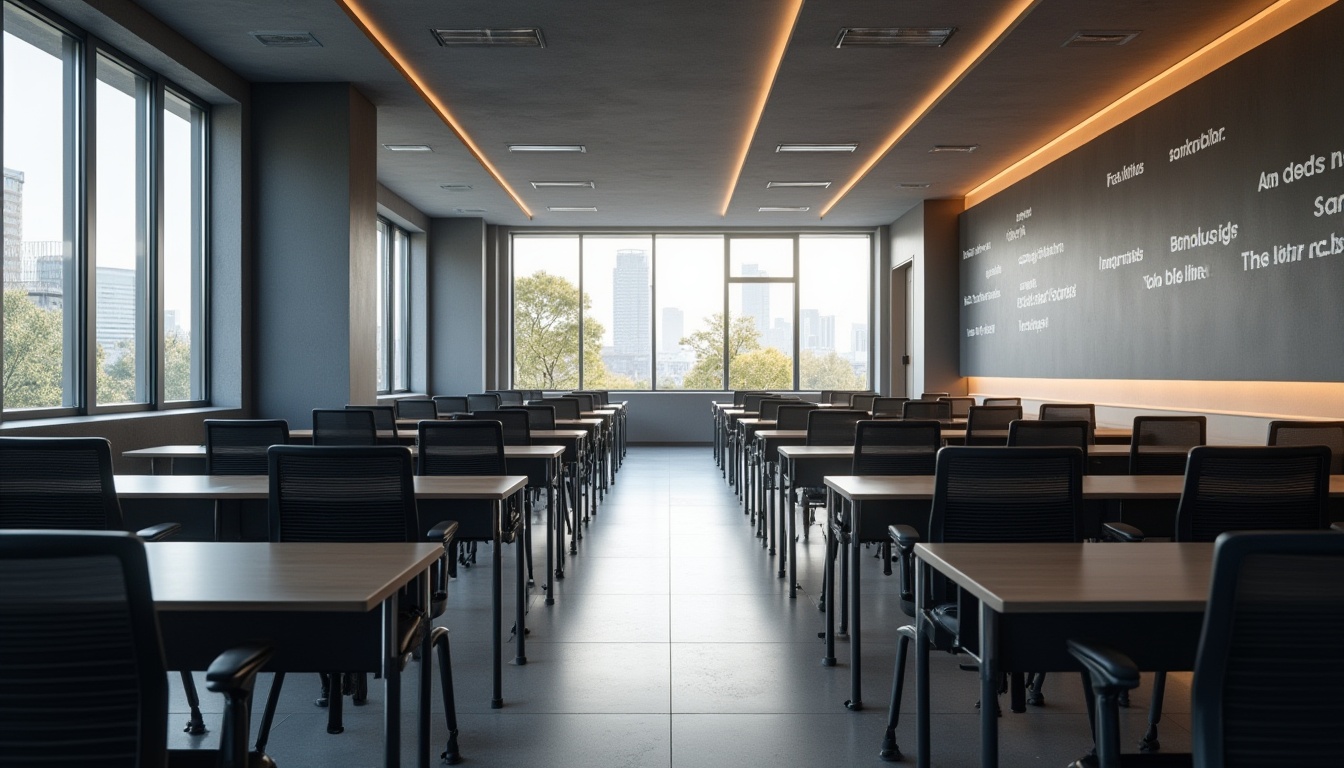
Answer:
(789, 19)
(365, 23)
(1171, 80)
(998, 31)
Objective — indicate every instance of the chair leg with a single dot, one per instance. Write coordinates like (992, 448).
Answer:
(1017, 692)
(439, 639)
(335, 703)
(844, 585)
(890, 751)
(1035, 697)
(268, 714)
(527, 540)
(1150, 742)
(195, 723)
(884, 552)
(359, 690)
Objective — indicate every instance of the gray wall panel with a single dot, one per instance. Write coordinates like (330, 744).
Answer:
(457, 306)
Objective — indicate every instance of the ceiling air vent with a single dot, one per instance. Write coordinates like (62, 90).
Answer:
(529, 37)
(563, 185)
(913, 185)
(868, 37)
(955, 148)
(455, 187)
(797, 184)
(1096, 39)
(469, 210)
(287, 39)
(783, 209)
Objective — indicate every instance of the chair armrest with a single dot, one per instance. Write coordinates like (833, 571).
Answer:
(236, 669)
(1121, 532)
(159, 532)
(444, 531)
(903, 536)
(1110, 670)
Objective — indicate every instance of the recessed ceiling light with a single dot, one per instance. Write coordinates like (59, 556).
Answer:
(547, 148)
(572, 208)
(521, 37)
(287, 39)
(1098, 38)
(455, 187)
(784, 208)
(408, 147)
(796, 184)
(469, 210)
(955, 148)
(856, 37)
(816, 147)
(563, 185)
(913, 185)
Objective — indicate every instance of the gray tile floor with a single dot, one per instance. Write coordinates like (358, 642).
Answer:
(672, 643)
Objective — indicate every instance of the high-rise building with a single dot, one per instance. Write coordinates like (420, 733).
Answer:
(630, 302)
(40, 273)
(858, 339)
(756, 300)
(115, 309)
(817, 331)
(13, 225)
(671, 329)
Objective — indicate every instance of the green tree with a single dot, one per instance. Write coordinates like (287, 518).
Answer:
(33, 353)
(817, 370)
(546, 311)
(177, 367)
(765, 368)
(116, 380)
(749, 365)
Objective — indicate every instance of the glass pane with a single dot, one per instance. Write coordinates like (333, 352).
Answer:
(183, 249)
(546, 312)
(401, 246)
(380, 312)
(39, 270)
(760, 337)
(689, 278)
(833, 280)
(760, 257)
(121, 233)
(617, 326)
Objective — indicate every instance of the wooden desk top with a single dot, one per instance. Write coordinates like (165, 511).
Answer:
(198, 452)
(385, 434)
(559, 434)
(1078, 578)
(1095, 487)
(486, 487)
(210, 576)
(816, 451)
(584, 422)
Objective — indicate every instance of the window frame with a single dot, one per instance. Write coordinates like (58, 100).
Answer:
(391, 318)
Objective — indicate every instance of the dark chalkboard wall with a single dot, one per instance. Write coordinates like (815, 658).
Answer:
(1202, 239)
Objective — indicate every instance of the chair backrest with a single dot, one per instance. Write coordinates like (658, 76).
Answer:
(752, 403)
(587, 403)
(82, 639)
(1247, 488)
(465, 447)
(417, 408)
(840, 398)
(961, 406)
(1034, 433)
(1176, 434)
(341, 493)
(238, 446)
(1071, 412)
(483, 401)
(1000, 494)
(600, 398)
(770, 406)
(531, 396)
(539, 416)
(925, 410)
(333, 426)
(1003, 401)
(516, 425)
(862, 402)
(57, 482)
(793, 416)
(447, 405)
(1327, 433)
(832, 426)
(934, 395)
(565, 407)
(1268, 673)
(384, 416)
(896, 447)
(988, 424)
(889, 407)
(508, 396)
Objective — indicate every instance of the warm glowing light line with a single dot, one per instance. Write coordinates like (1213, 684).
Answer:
(790, 19)
(366, 24)
(1131, 102)
(1007, 23)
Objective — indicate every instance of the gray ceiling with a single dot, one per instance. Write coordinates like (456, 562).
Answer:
(662, 93)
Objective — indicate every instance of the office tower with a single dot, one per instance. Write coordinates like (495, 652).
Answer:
(13, 223)
(756, 300)
(115, 309)
(817, 331)
(672, 329)
(630, 302)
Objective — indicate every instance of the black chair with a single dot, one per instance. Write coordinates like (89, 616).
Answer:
(1268, 670)
(934, 395)
(417, 408)
(447, 405)
(78, 621)
(961, 406)
(825, 426)
(1056, 432)
(484, 401)
(343, 427)
(508, 396)
(862, 402)
(1071, 412)
(1241, 489)
(1327, 433)
(1158, 447)
(531, 396)
(565, 407)
(889, 407)
(770, 406)
(465, 447)
(794, 415)
(65, 483)
(362, 494)
(752, 403)
(600, 396)
(981, 494)
(238, 447)
(384, 420)
(587, 403)
(1003, 401)
(515, 423)
(540, 416)
(988, 424)
(926, 410)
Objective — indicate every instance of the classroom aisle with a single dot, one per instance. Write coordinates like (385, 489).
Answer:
(673, 644)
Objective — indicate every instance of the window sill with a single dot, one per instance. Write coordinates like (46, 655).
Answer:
(62, 421)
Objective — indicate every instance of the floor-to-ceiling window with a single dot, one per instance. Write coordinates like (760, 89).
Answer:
(691, 311)
(393, 308)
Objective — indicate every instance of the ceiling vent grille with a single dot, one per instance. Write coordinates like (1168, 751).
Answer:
(1100, 39)
(529, 37)
(563, 185)
(955, 148)
(783, 209)
(869, 37)
(797, 184)
(913, 185)
(455, 187)
(287, 39)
